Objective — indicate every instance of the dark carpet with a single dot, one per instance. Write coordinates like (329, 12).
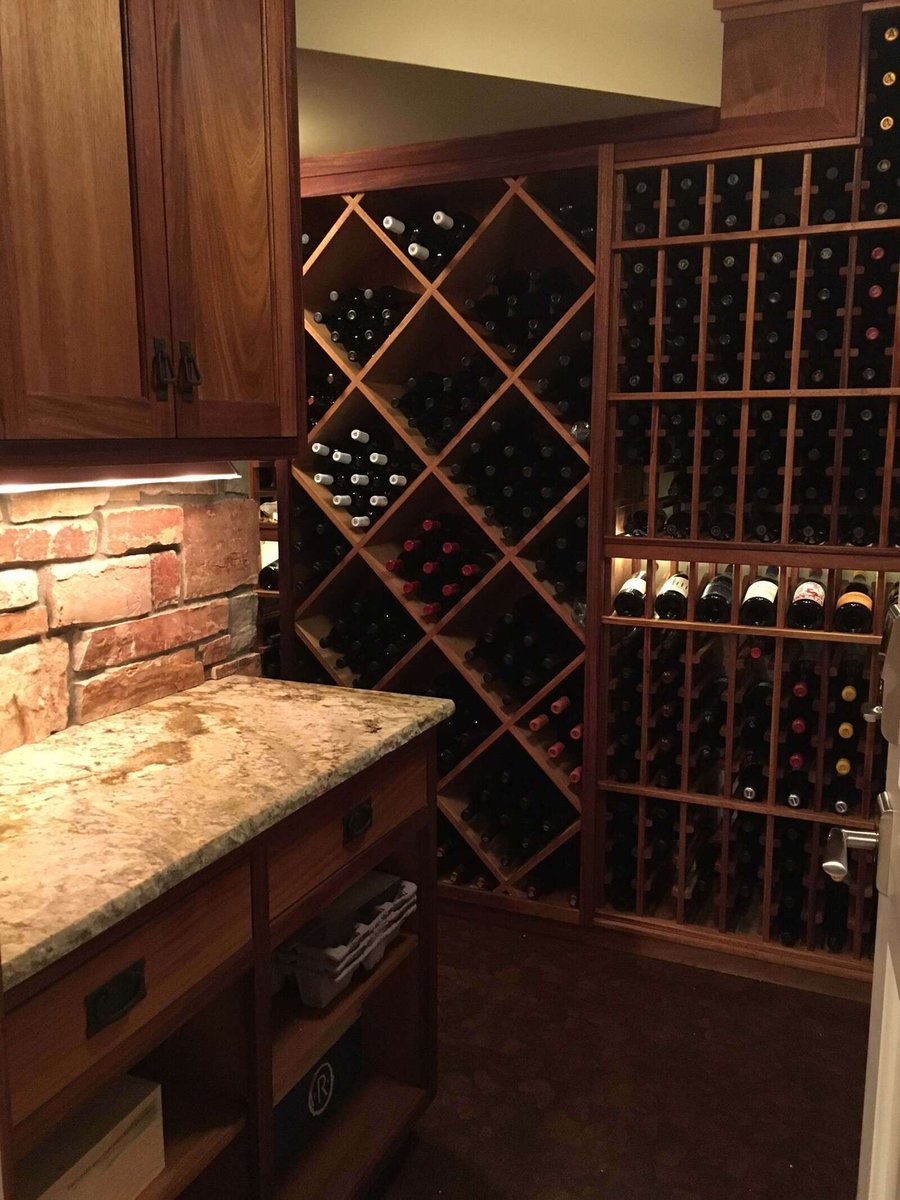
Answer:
(575, 1073)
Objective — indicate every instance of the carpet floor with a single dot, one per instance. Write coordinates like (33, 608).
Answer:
(572, 1073)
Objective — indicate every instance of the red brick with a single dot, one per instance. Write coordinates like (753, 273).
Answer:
(216, 650)
(47, 541)
(242, 621)
(61, 502)
(247, 664)
(18, 589)
(99, 591)
(111, 645)
(122, 688)
(165, 579)
(140, 527)
(221, 546)
(34, 693)
(23, 625)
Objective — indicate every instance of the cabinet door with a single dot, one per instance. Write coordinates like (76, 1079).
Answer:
(226, 126)
(83, 287)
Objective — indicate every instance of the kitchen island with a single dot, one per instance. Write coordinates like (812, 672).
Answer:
(151, 863)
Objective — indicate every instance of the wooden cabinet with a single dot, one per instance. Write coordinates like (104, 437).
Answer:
(181, 992)
(147, 172)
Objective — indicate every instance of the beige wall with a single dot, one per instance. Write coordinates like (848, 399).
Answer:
(669, 49)
(349, 103)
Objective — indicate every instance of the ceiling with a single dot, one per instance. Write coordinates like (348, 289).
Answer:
(351, 103)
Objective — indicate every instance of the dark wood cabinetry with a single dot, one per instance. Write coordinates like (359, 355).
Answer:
(148, 170)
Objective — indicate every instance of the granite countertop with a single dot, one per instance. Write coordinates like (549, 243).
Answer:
(99, 820)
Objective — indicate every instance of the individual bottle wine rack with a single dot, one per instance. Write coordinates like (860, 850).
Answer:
(741, 688)
(804, 311)
(810, 473)
(880, 166)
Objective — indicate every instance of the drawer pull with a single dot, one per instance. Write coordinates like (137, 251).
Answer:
(113, 999)
(358, 821)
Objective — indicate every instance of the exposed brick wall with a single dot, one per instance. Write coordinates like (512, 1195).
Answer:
(111, 599)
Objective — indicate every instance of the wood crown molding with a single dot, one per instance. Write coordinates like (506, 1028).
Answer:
(739, 10)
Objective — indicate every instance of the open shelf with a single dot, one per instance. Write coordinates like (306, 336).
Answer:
(347, 1152)
(300, 1035)
(195, 1131)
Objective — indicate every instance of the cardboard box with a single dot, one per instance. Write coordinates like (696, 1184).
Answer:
(110, 1149)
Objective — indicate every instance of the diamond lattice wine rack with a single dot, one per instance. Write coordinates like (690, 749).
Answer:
(492, 562)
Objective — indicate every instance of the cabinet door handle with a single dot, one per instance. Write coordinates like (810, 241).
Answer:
(358, 821)
(113, 999)
(188, 372)
(163, 371)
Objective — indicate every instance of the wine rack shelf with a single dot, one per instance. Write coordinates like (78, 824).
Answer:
(713, 391)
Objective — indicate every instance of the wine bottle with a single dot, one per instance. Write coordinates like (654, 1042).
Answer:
(853, 610)
(759, 606)
(671, 602)
(268, 577)
(714, 604)
(807, 607)
(630, 598)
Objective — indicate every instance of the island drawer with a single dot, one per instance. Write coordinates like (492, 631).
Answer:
(63, 1031)
(342, 823)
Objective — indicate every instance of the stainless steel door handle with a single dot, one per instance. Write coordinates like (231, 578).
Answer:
(840, 841)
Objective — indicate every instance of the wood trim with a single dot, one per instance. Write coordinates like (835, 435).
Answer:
(148, 203)
(109, 452)
(262, 1146)
(490, 154)
(647, 943)
(738, 10)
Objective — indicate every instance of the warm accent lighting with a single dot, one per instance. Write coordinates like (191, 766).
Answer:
(49, 479)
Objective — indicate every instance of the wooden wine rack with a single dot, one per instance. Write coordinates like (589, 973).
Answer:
(348, 248)
(515, 229)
